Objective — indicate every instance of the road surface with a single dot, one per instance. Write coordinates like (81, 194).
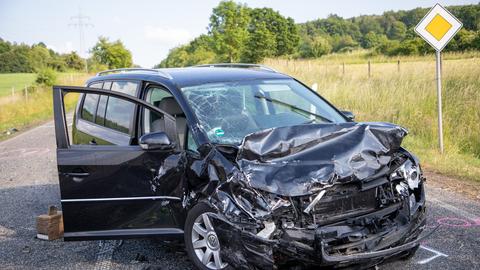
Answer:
(29, 184)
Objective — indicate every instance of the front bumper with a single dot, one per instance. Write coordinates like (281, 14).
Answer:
(317, 247)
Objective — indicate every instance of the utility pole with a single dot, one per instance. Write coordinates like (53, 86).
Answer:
(81, 21)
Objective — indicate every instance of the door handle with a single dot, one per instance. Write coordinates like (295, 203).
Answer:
(78, 174)
(92, 142)
(77, 177)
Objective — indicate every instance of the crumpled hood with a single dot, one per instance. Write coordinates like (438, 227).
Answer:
(298, 160)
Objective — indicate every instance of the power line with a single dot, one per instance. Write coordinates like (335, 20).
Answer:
(81, 22)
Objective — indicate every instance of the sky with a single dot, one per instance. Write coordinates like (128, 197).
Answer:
(150, 28)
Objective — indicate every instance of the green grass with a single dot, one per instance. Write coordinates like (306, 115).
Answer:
(408, 98)
(15, 80)
(21, 113)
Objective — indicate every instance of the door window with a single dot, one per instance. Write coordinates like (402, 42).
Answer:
(90, 104)
(110, 112)
(154, 122)
(119, 115)
(89, 107)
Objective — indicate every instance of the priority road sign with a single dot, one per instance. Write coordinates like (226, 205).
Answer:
(438, 27)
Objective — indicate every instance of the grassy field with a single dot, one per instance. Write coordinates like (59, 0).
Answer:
(21, 112)
(15, 80)
(407, 97)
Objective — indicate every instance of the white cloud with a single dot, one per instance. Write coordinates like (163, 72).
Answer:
(169, 36)
(67, 47)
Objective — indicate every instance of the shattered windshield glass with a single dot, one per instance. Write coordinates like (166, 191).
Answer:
(228, 111)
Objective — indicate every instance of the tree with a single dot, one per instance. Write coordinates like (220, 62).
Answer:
(228, 27)
(261, 43)
(397, 31)
(372, 40)
(46, 77)
(369, 24)
(315, 47)
(112, 54)
(74, 61)
(39, 57)
(283, 30)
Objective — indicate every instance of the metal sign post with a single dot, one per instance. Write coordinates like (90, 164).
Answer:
(439, 99)
(437, 28)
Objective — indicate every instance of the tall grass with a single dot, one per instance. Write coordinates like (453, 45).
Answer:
(22, 111)
(408, 98)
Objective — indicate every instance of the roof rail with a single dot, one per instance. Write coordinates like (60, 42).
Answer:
(124, 70)
(239, 65)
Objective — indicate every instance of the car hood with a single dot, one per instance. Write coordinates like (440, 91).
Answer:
(299, 160)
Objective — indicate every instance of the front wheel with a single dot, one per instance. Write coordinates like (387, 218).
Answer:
(201, 240)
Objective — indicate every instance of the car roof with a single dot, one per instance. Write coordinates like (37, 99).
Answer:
(189, 76)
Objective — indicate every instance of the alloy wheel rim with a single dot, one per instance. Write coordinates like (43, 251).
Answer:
(206, 244)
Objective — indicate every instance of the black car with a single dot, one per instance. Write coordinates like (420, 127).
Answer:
(250, 166)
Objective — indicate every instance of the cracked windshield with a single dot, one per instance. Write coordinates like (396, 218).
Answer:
(228, 111)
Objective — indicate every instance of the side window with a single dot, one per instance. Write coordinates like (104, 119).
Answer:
(125, 87)
(191, 144)
(119, 114)
(89, 107)
(152, 121)
(90, 104)
(102, 106)
(110, 112)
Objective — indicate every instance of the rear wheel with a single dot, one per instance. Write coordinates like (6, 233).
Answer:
(201, 240)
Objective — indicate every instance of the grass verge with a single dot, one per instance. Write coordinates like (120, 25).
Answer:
(23, 111)
(407, 96)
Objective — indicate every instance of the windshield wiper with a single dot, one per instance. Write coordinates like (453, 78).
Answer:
(295, 108)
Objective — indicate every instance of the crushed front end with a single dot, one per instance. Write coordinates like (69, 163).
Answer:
(318, 202)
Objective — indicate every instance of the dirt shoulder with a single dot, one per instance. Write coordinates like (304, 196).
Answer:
(461, 186)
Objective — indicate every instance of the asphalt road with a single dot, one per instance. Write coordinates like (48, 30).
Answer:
(29, 184)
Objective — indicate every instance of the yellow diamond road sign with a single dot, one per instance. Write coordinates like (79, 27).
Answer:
(438, 27)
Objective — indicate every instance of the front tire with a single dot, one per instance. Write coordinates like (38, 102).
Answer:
(201, 241)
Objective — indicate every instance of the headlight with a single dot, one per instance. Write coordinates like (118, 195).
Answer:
(410, 172)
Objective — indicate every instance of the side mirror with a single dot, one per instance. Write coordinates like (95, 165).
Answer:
(348, 114)
(156, 140)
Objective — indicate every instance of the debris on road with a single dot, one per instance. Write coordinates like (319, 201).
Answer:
(50, 226)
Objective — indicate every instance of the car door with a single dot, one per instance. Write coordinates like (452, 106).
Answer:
(114, 191)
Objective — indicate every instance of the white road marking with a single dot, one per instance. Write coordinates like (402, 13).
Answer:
(436, 252)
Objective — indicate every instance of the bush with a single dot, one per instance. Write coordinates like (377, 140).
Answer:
(46, 77)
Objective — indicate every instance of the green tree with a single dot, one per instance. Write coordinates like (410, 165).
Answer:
(261, 43)
(315, 47)
(369, 24)
(39, 57)
(46, 77)
(112, 54)
(371, 40)
(74, 61)
(228, 27)
(397, 31)
(284, 31)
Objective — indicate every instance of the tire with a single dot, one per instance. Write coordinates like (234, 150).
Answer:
(207, 246)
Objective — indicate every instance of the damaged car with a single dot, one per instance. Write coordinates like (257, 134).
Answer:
(253, 169)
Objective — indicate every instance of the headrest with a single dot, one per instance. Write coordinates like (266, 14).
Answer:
(170, 106)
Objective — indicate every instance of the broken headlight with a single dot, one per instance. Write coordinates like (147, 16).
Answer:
(410, 175)
(410, 172)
